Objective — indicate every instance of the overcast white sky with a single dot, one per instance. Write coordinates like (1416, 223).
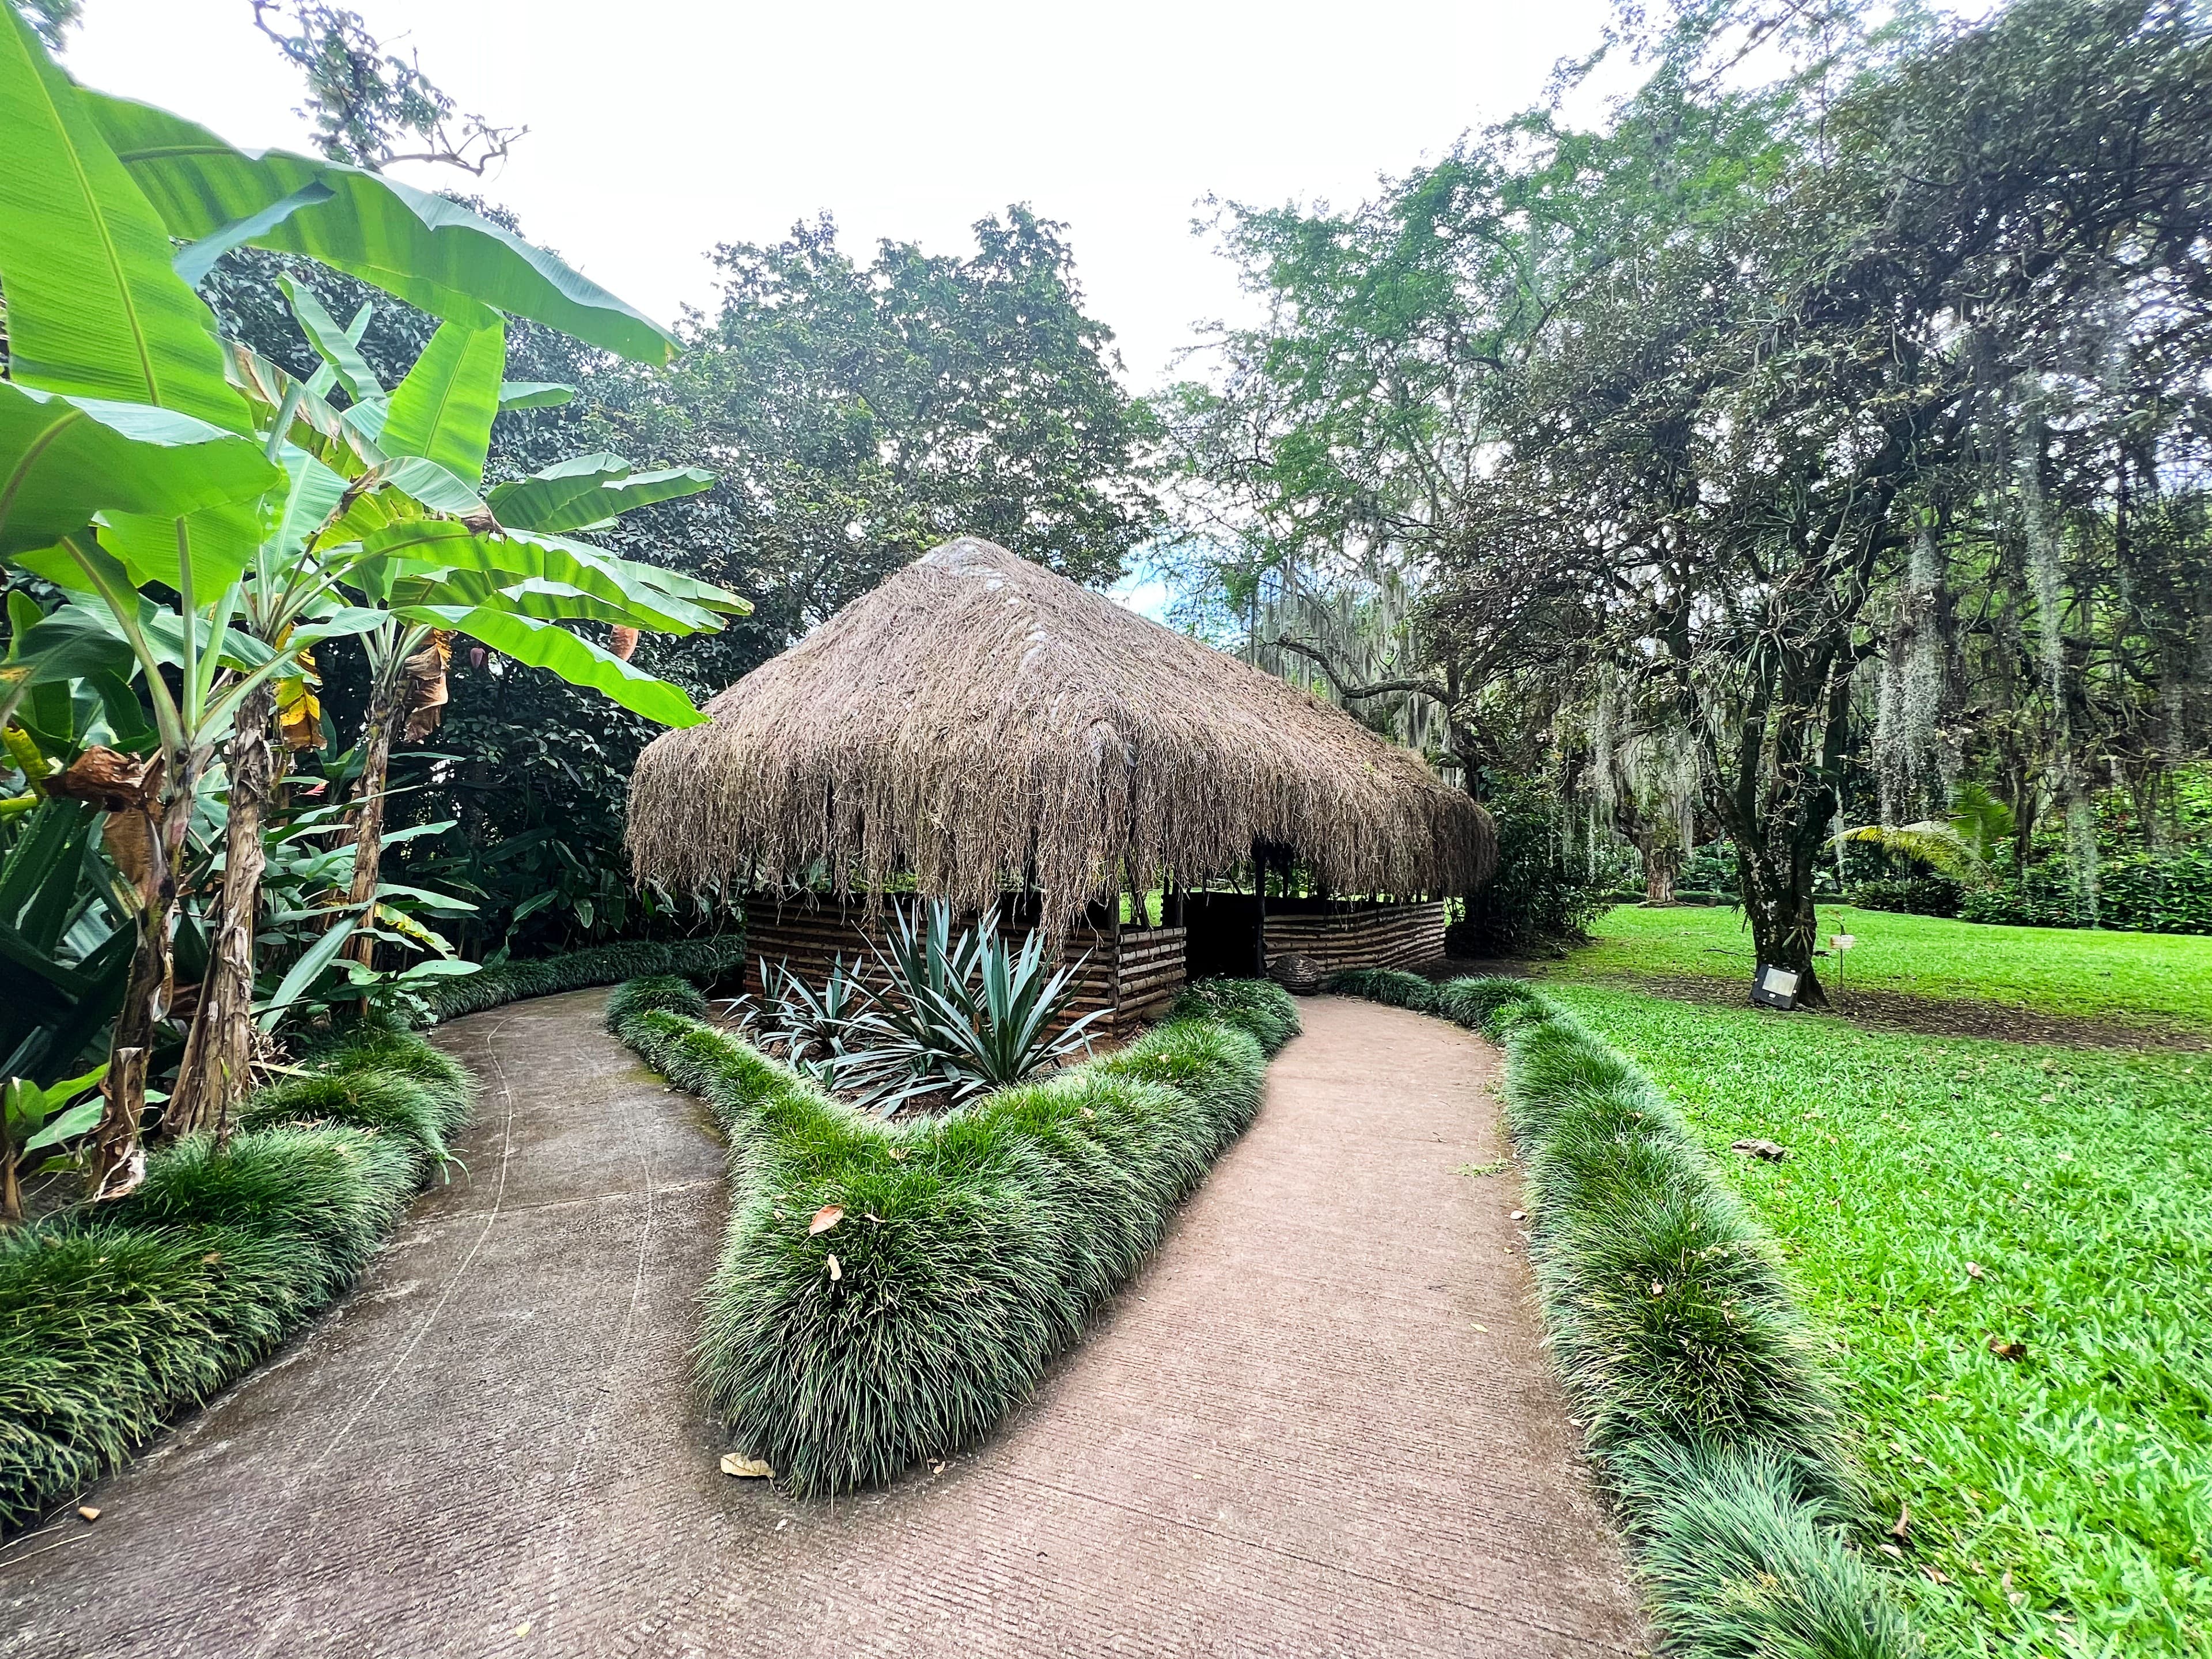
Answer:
(661, 127)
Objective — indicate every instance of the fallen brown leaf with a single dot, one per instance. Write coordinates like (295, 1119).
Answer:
(824, 1219)
(1974, 1270)
(1902, 1525)
(1772, 1152)
(746, 1468)
(2005, 1350)
(88, 1512)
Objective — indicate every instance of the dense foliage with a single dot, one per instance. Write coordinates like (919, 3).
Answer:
(112, 1321)
(1788, 442)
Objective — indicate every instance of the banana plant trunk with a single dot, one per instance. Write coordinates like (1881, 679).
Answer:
(386, 706)
(219, 1054)
(143, 838)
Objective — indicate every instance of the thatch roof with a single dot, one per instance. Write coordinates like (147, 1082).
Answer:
(978, 717)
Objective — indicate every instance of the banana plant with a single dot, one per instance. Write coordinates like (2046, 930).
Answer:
(141, 457)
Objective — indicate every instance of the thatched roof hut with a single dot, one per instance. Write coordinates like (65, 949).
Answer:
(977, 721)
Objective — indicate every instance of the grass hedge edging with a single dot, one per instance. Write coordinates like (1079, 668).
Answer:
(969, 1247)
(705, 959)
(114, 1321)
(1679, 1343)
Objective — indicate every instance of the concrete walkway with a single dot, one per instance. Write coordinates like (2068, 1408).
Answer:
(1319, 1423)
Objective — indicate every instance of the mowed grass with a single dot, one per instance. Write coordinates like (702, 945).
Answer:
(2131, 978)
(1942, 1193)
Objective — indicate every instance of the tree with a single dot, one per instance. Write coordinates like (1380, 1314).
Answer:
(1717, 388)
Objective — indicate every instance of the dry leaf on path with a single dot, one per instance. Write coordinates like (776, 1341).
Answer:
(88, 1512)
(824, 1219)
(746, 1468)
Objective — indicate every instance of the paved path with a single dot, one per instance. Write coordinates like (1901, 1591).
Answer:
(1319, 1424)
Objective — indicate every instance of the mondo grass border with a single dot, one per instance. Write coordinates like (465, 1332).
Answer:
(888, 1292)
(705, 959)
(114, 1321)
(1674, 1330)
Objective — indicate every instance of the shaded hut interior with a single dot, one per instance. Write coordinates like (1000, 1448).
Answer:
(983, 731)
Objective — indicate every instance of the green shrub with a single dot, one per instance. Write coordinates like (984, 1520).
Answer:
(1258, 1006)
(666, 992)
(1394, 986)
(1539, 898)
(111, 1322)
(2136, 891)
(1916, 896)
(972, 1246)
(1680, 1345)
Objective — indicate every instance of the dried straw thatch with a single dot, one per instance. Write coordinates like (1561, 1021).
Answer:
(978, 720)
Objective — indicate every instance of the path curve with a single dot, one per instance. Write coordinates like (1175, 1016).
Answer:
(1319, 1422)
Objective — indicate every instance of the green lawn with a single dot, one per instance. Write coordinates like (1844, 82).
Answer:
(2141, 979)
(2063, 1498)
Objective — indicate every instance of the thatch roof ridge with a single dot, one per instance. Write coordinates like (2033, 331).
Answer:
(977, 713)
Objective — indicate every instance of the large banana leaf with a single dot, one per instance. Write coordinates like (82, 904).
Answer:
(445, 546)
(429, 251)
(217, 542)
(443, 410)
(62, 459)
(339, 348)
(94, 308)
(589, 491)
(548, 645)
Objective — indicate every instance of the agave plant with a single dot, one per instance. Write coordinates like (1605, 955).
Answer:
(813, 1029)
(962, 1015)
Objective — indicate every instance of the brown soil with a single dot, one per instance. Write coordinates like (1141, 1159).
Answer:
(1321, 1422)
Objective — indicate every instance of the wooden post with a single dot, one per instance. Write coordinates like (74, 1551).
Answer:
(1260, 903)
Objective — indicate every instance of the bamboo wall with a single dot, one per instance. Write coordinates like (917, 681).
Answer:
(1386, 936)
(1127, 977)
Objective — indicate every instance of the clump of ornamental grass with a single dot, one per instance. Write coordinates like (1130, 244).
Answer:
(887, 1293)
(334, 1192)
(668, 993)
(1743, 1564)
(1260, 1006)
(1394, 986)
(1681, 1348)
(389, 1103)
(105, 1329)
(112, 1321)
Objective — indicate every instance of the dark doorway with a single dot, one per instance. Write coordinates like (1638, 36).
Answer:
(1224, 934)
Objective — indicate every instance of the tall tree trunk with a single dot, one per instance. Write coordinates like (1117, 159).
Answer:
(1777, 901)
(219, 1054)
(144, 839)
(1662, 862)
(385, 704)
